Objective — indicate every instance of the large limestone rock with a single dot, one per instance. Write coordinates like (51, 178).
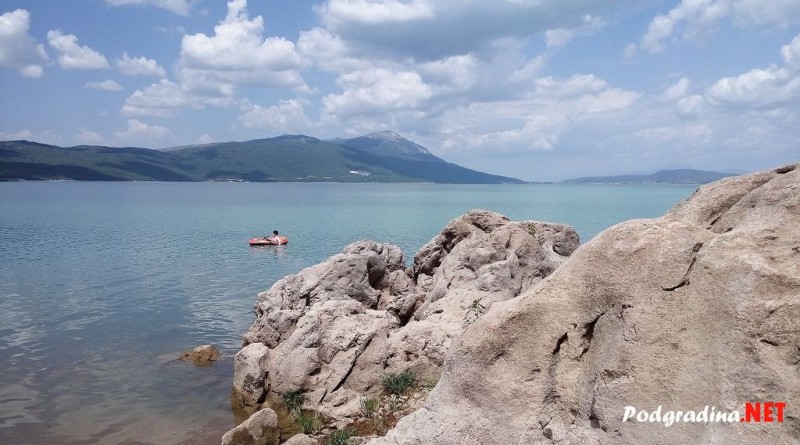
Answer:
(698, 308)
(334, 329)
(476, 261)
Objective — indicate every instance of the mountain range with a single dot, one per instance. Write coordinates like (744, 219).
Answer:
(376, 157)
(679, 176)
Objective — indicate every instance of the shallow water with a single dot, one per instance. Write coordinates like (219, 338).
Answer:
(102, 285)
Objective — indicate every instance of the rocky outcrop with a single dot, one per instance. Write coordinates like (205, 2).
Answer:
(333, 330)
(698, 308)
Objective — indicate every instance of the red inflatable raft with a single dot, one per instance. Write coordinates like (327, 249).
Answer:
(261, 241)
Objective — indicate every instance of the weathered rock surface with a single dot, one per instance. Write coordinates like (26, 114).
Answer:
(203, 355)
(259, 429)
(334, 329)
(301, 439)
(698, 308)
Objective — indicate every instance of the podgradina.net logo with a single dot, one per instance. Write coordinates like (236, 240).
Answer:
(759, 412)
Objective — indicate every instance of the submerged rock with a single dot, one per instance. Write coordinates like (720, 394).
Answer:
(698, 309)
(334, 330)
(259, 429)
(203, 355)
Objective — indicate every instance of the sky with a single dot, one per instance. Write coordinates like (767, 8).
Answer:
(539, 90)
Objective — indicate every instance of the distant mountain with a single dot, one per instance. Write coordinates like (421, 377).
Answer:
(679, 176)
(393, 152)
(377, 157)
(388, 143)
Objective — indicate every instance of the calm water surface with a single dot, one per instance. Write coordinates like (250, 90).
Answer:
(102, 285)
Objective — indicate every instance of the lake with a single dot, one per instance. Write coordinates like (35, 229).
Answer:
(103, 285)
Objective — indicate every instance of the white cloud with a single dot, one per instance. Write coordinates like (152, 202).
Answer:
(758, 87)
(429, 30)
(530, 70)
(341, 12)
(238, 54)
(329, 51)
(781, 13)
(32, 71)
(791, 53)
(686, 106)
(452, 74)
(89, 138)
(160, 99)
(74, 56)
(406, 69)
(180, 7)
(212, 68)
(774, 86)
(166, 98)
(693, 17)
(106, 85)
(559, 38)
(691, 106)
(578, 84)
(205, 139)
(539, 120)
(18, 50)
(693, 134)
(139, 66)
(141, 134)
(286, 117)
(387, 81)
(538, 132)
(677, 91)
(375, 91)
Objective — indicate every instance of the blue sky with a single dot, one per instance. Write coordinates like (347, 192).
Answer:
(535, 89)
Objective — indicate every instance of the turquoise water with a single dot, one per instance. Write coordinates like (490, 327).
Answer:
(102, 285)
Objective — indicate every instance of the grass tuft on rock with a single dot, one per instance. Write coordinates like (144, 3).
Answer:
(399, 383)
(369, 407)
(309, 423)
(294, 402)
(340, 437)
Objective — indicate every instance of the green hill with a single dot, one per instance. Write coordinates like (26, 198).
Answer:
(379, 157)
(32, 161)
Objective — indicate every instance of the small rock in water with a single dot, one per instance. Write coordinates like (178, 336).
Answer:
(203, 355)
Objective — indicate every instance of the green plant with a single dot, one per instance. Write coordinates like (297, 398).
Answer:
(340, 437)
(399, 383)
(294, 402)
(308, 423)
(369, 407)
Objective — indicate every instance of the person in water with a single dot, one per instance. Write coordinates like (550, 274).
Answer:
(274, 238)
